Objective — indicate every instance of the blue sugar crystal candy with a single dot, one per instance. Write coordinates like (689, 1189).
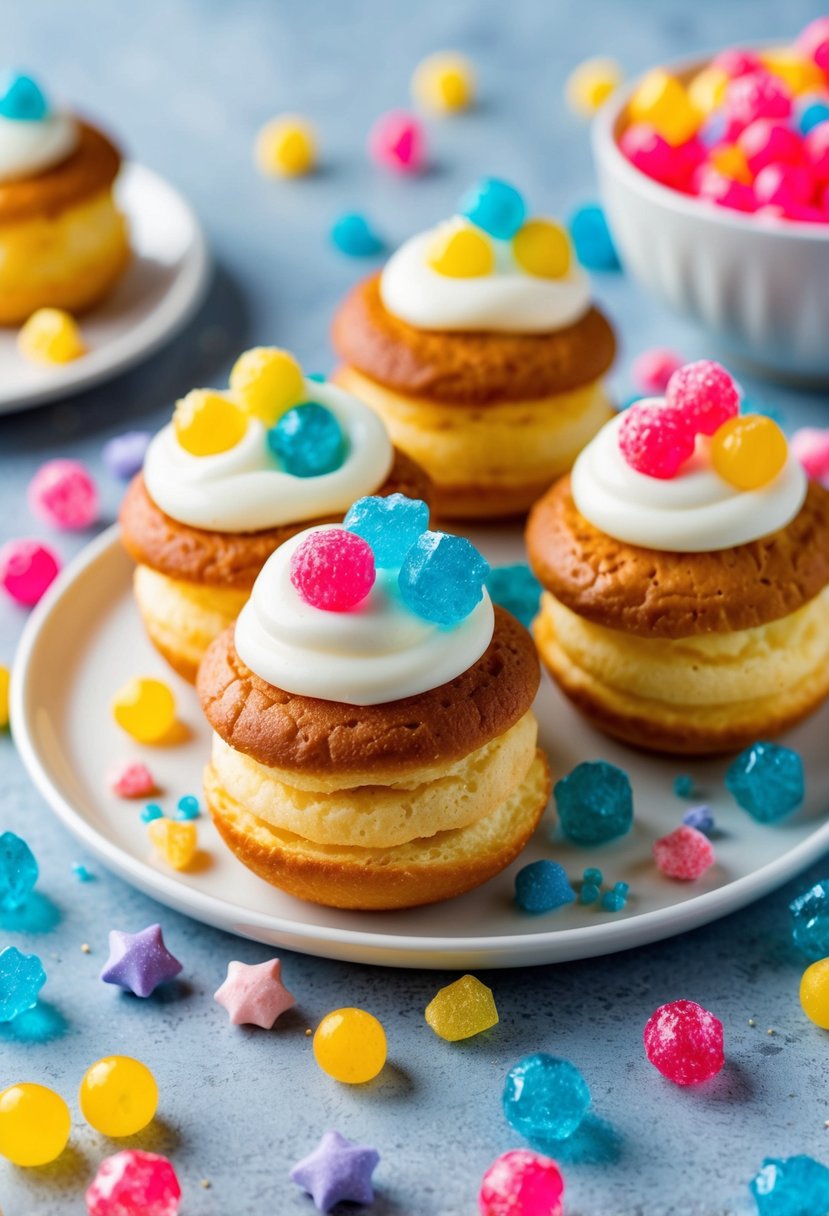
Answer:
(18, 871)
(545, 1098)
(767, 781)
(791, 1186)
(187, 807)
(591, 238)
(589, 893)
(542, 886)
(495, 206)
(517, 589)
(615, 900)
(812, 116)
(308, 440)
(81, 872)
(621, 888)
(593, 875)
(22, 99)
(150, 812)
(442, 578)
(21, 979)
(699, 817)
(594, 803)
(354, 236)
(684, 786)
(810, 912)
(391, 525)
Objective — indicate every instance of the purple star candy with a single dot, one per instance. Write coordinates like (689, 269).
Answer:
(139, 962)
(337, 1170)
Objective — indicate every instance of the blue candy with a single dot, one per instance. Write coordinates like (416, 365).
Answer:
(308, 440)
(700, 817)
(353, 235)
(589, 893)
(613, 901)
(591, 238)
(594, 803)
(545, 1098)
(317, 377)
(187, 807)
(18, 871)
(767, 781)
(812, 116)
(791, 1186)
(22, 99)
(542, 886)
(593, 875)
(517, 589)
(684, 786)
(495, 206)
(150, 812)
(21, 979)
(391, 526)
(811, 921)
(81, 872)
(442, 578)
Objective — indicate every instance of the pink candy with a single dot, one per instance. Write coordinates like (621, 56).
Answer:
(810, 445)
(396, 141)
(786, 186)
(655, 440)
(767, 141)
(714, 186)
(684, 1042)
(333, 569)
(813, 43)
(63, 494)
(756, 95)
(817, 151)
(653, 369)
(27, 568)
(652, 154)
(132, 780)
(684, 854)
(736, 63)
(521, 1183)
(706, 395)
(134, 1183)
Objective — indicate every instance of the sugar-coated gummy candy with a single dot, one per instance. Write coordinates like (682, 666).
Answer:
(308, 440)
(545, 1098)
(188, 807)
(353, 234)
(337, 1171)
(705, 394)
(684, 1042)
(118, 1096)
(132, 780)
(652, 155)
(350, 1045)
(755, 95)
(64, 494)
(615, 900)
(594, 803)
(51, 336)
(590, 84)
(684, 786)
(134, 1183)
(592, 239)
(442, 578)
(768, 141)
(655, 440)
(145, 708)
(494, 206)
(27, 570)
(21, 979)
(786, 186)
(593, 874)
(124, 454)
(810, 917)
(390, 524)
(333, 569)
(810, 445)
(652, 370)
(816, 146)
(207, 423)
(22, 99)
(18, 871)
(397, 141)
(462, 1009)
(814, 993)
(150, 812)
(589, 893)
(662, 100)
(286, 146)
(267, 381)
(706, 89)
(517, 589)
(684, 854)
(34, 1124)
(444, 82)
(521, 1183)
(767, 781)
(791, 1186)
(139, 962)
(542, 248)
(175, 841)
(542, 886)
(700, 817)
(458, 250)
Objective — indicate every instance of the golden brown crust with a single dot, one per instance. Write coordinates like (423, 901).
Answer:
(467, 368)
(227, 559)
(653, 593)
(92, 167)
(296, 733)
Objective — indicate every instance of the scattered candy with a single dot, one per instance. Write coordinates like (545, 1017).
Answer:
(684, 1042)
(590, 84)
(517, 589)
(332, 569)
(51, 336)
(700, 817)
(521, 1183)
(124, 454)
(705, 394)
(350, 1045)
(684, 786)
(542, 886)
(653, 369)
(132, 780)
(308, 440)
(22, 98)
(444, 83)
(684, 854)
(791, 1186)
(27, 570)
(139, 962)
(814, 993)
(545, 1098)
(655, 440)
(206, 423)
(21, 979)
(63, 494)
(494, 206)
(810, 445)
(150, 812)
(118, 1096)
(594, 803)
(18, 871)
(396, 141)
(442, 578)
(462, 1010)
(286, 147)
(810, 912)
(188, 807)
(134, 1183)
(337, 1171)
(175, 841)
(5, 681)
(145, 708)
(592, 239)
(81, 872)
(354, 236)
(254, 994)
(267, 381)
(615, 900)
(460, 251)
(34, 1124)
(767, 781)
(391, 525)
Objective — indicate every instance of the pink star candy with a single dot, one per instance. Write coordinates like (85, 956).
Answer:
(253, 994)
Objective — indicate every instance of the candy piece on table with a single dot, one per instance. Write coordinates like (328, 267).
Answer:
(22, 99)
(810, 445)
(132, 780)
(814, 993)
(350, 1045)
(391, 525)
(786, 186)
(63, 493)
(545, 1098)
(124, 454)
(51, 336)
(139, 962)
(267, 381)
(175, 841)
(594, 803)
(812, 115)
(442, 578)
(253, 993)
(21, 979)
(661, 100)
(767, 781)
(337, 1171)
(813, 43)
(517, 589)
(27, 570)
(18, 871)
(652, 370)
(684, 854)
(134, 1183)
(652, 155)
(81, 872)
(591, 238)
(444, 82)
(754, 95)
(118, 1096)
(810, 915)
(706, 90)
(458, 250)
(542, 248)
(656, 440)
(187, 807)
(494, 206)
(791, 1186)
(145, 708)
(207, 423)
(34, 1124)
(700, 817)
(816, 146)
(590, 84)
(333, 569)
(684, 786)
(521, 1183)
(542, 886)
(5, 681)
(286, 146)
(462, 1010)
(768, 141)
(308, 440)
(705, 393)
(684, 1042)
(354, 236)
(150, 812)
(397, 141)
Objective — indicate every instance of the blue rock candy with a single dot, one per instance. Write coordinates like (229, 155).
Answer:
(442, 578)
(542, 886)
(391, 525)
(811, 921)
(615, 900)
(150, 812)
(22, 99)
(21, 979)
(591, 238)
(589, 893)
(767, 781)
(593, 875)
(495, 206)
(791, 1186)
(684, 786)
(545, 1098)
(621, 888)
(517, 589)
(18, 871)
(187, 807)
(594, 803)
(354, 236)
(812, 115)
(81, 872)
(308, 440)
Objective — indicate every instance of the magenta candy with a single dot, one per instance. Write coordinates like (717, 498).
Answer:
(132, 780)
(816, 146)
(813, 43)
(724, 191)
(63, 493)
(134, 1183)
(706, 395)
(768, 141)
(333, 569)
(521, 1183)
(651, 154)
(653, 369)
(736, 63)
(684, 854)
(27, 568)
(396, 141)
(655, 440)
(810, 445)
(756, 95)
(784, 185)
(684, 1042)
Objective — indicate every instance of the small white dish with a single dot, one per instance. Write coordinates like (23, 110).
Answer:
(161, 289)
(67, 739)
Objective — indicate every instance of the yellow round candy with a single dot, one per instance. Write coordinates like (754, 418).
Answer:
(591, 83)
(542, 248)
(444, 82)
(731, 162)
(4, 697)
(118, 1096)
(814, 993)
(749, 451)
(51, 336)
(266, 382)
(706, 90)
(662, 101)
(176, 841)
(34, 1124)
(461, 251)
(146, 709)
(207, 423)
(798, 74)
(350, 1045)
(286, 146)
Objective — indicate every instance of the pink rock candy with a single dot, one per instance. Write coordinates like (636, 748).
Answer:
(784, 185)
(813, 43)
(684, 854)
(652, 154)
(714, 186)
(654, 368)
(756, 95)
(655, 440)
(816, 145)
(26, 569)
(810, 445)
(521, 1183)
(705, 394)
(63, 494)
(134, 1183)
(132, 780)
(684, 1042)
(768, 141)
(333, 569)
(396, 141)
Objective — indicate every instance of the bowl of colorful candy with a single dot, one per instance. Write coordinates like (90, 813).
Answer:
(715, 178)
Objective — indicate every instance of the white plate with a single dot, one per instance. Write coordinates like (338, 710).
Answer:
(84, 641)
(159, 291)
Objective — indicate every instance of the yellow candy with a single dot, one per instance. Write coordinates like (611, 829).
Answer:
(207, 423)
(731, 162)
(798, 74)
(266, 382)
(34, 1124)
(118, 1096)
(591, 83)
(814, 993)
(542, 248)
(286, 147)
(175, 841)
(51, 336)
(662, 101)
(461, 251)
(462, 1009)
(350, 1045)
(749, 451)
(444, 82)
(4, 697)
(707, 89)
(146, 709)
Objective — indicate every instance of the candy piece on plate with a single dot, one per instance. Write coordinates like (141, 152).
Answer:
(337, 1171)
(145, 708)
(590, 84)
(767, 781)
(545, 1098)
(542, 886)
(118, 1096)
(51, 336)
(397, 141)
(350, 1045)
(175, 841)
(208, 423)
(267, 381)
(594, 803)
(442, 578)
(494, 206)
(521, 1183)
(21, 979)
(655, 440)
(34, 1124)
(333, 569)
(684, 854)
(134, 1183)
(253, 993)
(462, 1009)
(444, 83)
(308, 440)
(391, 525)
(700, 817)
(354, 236)
(150, 812)
(132, 780)
(791, 1186)
(615, 900)
(286, 146)
(139, 962)
(517, 589)
(27, 569)
(592, 239)
(814, 993)
(18, 871)
(684, 1042)
(63, 493)
(124, 454)
(684, 786)
(810, 915)
(187, 807)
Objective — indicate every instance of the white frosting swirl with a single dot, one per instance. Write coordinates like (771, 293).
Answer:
(29, 146)
(378, 652)
(243, 490)
(694, 512)
(507, 301)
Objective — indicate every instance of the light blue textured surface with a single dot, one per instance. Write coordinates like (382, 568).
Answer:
(186, 83)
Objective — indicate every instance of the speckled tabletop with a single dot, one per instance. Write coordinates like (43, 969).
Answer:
(186, 83)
